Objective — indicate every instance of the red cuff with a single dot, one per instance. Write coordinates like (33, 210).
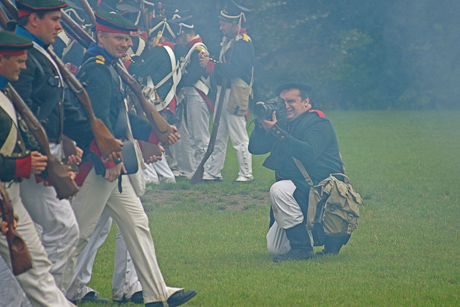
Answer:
(153, 139)
(210, 67)
(94, 148)
(23, 167)
(73, 69)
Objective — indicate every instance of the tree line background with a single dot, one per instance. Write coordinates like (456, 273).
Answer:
(357, 54)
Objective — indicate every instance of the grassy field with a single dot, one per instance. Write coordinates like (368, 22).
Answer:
(406, 251)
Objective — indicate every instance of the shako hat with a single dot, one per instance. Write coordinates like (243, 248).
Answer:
(185, 24)
(27, 7)
(128, 6)
(163, 27)
(12, 44)
(113, 23)
(233, 12)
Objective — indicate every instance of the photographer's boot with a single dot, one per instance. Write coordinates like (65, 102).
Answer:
(301, 248)
(332, 245)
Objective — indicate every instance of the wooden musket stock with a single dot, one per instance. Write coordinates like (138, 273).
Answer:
(11, 9)
(63, 184)
(104, 139)
(19, 254)
(198, 176)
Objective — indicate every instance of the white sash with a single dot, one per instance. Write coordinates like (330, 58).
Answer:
(175, 74)
(10, 142)
(203, 84)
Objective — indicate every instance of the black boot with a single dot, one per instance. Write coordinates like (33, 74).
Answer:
(332, 245)
(301, 248)
(177, 299)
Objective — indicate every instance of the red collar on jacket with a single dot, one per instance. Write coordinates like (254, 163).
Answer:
(241, 31)
(166, 43)
(194, 41)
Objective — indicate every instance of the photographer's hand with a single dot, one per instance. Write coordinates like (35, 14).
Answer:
(268, 124)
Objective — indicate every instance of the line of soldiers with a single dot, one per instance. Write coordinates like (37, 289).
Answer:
(63, 235)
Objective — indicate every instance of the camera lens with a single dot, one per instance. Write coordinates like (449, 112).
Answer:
(260, 111)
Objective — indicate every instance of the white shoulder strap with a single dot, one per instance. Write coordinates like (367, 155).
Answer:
(186, 60)
(10, 142)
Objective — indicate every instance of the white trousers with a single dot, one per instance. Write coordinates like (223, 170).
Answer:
(11, 293)
(56, 218)
(150, 174)
(287, 214)
(195, 132)
(232, 126)
(182, 150)
(124, 280)
(127, 211)
(165, 174)
(37, 283)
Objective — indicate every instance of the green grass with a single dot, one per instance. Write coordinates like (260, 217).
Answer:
(406, 251)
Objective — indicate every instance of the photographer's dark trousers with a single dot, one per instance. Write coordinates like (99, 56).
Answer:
(287, 214)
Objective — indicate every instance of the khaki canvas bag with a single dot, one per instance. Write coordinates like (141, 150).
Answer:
(341, 205)
(333, 206)
(238, 101)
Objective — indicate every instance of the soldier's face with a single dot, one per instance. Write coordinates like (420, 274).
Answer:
(116, 44)
(11, 66)
(226, 28)
(48, 27)
(295, 105)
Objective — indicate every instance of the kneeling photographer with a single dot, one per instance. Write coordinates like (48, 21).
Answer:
(288, 128)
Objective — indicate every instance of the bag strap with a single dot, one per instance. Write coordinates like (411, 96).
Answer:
(308, 178)
(303, 171)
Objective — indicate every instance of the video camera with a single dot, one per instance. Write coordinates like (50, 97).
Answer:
(265, 111)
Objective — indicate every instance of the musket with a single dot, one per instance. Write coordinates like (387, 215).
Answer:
(19, 254)
(11, 9)
(147, 149)
(160, 126)
(65, 187)
(196, 178)
(89, 11)
(104, 139)
(3, 19)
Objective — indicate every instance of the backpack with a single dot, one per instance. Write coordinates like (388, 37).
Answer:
(333, 206)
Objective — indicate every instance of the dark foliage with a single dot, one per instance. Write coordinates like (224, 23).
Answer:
(358, 54)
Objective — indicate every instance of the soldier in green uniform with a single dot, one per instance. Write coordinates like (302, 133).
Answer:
(41, 87)
(99, 187)
(17, 162)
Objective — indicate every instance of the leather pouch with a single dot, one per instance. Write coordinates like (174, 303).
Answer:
(129, 157)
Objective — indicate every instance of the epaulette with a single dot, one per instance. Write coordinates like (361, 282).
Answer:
(246, 37)
(320, 113)
(100, 59)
